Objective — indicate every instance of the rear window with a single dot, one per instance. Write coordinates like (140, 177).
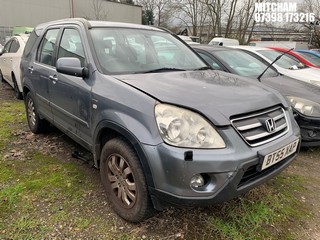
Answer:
(30, 43)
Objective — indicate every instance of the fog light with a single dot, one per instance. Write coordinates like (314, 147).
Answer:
(197, 181)
(311, 133)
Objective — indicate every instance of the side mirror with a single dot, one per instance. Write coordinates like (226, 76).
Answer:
(71, 66)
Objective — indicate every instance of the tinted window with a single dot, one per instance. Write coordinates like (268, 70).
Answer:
(14, 46)
(71, 45)
(45, 54)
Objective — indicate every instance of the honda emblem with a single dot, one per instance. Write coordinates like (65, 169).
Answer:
(270, 125)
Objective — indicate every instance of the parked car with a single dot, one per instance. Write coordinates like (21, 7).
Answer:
(305, 60)
(220, 41)
(10, 57)
(286, 65)
(303, 97)
(188, 40)
(161, 130)
(315, 50)
(312, 56)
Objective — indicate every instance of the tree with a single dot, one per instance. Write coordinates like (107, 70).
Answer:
(147, 17)
(313, 6)
(98, 10)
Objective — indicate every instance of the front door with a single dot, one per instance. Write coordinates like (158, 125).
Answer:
(70, 95)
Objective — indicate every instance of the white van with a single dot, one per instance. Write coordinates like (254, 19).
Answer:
(219, 41)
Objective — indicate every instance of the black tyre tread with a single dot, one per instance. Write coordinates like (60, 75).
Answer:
(145, 210)
(1, 77)
(17, 92)
(41, 124)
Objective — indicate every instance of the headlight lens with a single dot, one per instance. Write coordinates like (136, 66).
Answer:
(305, 106)
(183, 128)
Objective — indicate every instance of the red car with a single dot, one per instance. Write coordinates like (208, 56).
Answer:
(297, 56)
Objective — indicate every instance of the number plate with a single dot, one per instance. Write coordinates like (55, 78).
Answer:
(280, 154)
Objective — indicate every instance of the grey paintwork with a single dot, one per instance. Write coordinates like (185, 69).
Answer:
(88, 109)
(286, 86)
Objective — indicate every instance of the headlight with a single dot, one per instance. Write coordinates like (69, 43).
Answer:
(305, 106)
(183, 128)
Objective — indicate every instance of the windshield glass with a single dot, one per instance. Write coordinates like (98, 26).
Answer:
(136, 51)
(244, 64)
(314, 59)
(286, 61)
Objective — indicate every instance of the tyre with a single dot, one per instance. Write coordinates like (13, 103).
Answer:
(36, 124)
(124, 181)
(1, 77)
(17, 92)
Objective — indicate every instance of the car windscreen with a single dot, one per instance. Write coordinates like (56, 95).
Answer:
(314, 59)
(285, 61)
(128, 50)
(244, 64)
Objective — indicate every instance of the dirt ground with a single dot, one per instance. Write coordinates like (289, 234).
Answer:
(307, 165)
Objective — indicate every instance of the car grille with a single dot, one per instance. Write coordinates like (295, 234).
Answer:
(261, 127)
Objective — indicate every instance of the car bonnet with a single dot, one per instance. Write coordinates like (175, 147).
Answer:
(217, 95)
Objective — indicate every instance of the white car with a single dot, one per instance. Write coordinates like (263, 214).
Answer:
(10, 58)
(286, 65)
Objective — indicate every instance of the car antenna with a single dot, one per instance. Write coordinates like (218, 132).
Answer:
(277, 58)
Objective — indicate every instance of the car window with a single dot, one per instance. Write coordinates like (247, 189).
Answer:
(30, 43)
(244, 64)
(286, 61)
(45, 53)
(14, 46)
(314, 59)
(7, 46)
(139, 50)
(210, 61)
(71, 45)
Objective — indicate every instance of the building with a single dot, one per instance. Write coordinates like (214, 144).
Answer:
(29, 13)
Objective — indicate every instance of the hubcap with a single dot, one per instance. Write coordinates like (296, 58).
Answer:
(31, 112)
(122, 181)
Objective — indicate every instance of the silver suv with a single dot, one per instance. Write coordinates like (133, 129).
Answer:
(163, 128)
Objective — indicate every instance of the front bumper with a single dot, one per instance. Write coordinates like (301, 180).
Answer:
(228, 172)
(310, 130)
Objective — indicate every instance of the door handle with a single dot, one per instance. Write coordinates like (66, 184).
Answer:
(54, 79)
(30, 69)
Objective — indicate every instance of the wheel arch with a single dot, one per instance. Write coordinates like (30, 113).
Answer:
(108, 130)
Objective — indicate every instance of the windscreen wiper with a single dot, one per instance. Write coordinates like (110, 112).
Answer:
(203, 68)
(164, 69)
(277, 58)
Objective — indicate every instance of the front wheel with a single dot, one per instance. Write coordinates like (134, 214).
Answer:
(36, 124)
(124, 181)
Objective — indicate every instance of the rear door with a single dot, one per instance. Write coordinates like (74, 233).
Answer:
(39, 70)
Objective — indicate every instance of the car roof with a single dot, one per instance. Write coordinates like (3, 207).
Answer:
(209, 48)
(308, 51)
(250, 48)
(93, 23)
